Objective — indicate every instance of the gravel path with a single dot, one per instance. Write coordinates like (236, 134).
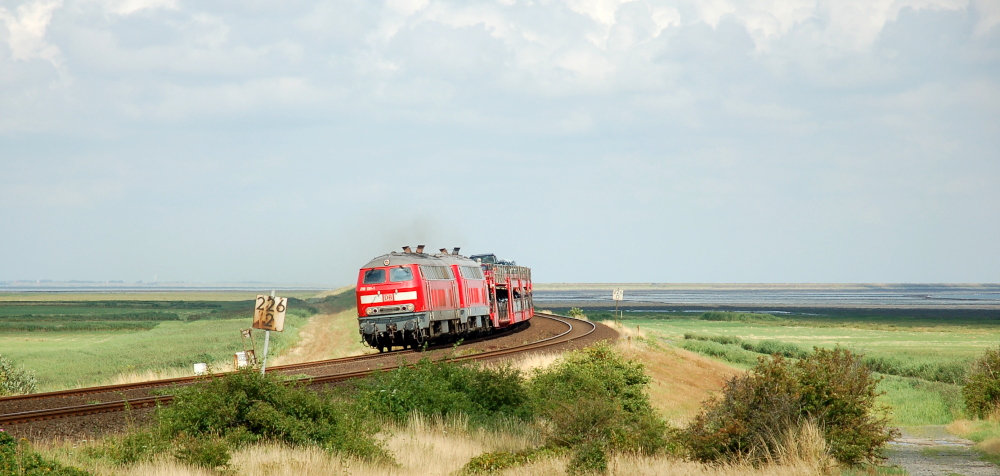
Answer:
(931, 451)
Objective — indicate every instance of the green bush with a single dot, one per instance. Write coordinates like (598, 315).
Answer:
(772, 347)
(596, 401)
(488, 463)
(131, 448)
(739, 317)
(205, 452)
(17, 459)
(729, 353)
(947, 372)
(246, 407)
(832, 388)
(15, 380)
(485, 395)
(724, 340)
(590, 457)
(982, 385)
(576, 312)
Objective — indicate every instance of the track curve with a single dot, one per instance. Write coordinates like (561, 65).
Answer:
(38, 409)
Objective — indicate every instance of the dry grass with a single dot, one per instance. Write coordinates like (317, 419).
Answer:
(530, 362)
(659, 466)
(803, 452)
(325, 336)
(681, 380)
(334, 292)
(429, 447)
(990, 447)
(423, 447)
(149, 375)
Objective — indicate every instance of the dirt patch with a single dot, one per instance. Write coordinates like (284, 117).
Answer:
(325, 336)
(682, 380)
(931, 451)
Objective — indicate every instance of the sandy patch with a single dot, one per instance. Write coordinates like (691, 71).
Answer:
(325, 336)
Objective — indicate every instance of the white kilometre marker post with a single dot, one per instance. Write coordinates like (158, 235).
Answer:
(269, 315)
(267, 343)
(618, 295)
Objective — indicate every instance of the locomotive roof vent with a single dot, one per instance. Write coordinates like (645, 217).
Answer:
(406, 249)
(420, 248)
(444, 251)
(454, 250)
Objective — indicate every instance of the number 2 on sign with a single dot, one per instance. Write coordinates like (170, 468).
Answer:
(269, 313)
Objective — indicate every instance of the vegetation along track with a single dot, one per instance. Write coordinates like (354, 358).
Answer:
(52, 413)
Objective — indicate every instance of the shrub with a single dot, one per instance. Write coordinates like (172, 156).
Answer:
(15, 380)
(485, 395)
(205, 452)
(17, 459)
(497, 461)
(982, 385)
(729, 353)
(831, 388)
(577, 313)
(771, 347)
(589, 457)
(247, 407)
(947, 372)
(131, 448)
(739, 317)
(596, 401)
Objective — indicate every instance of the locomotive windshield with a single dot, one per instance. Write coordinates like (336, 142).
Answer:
(374, 276)
(400, 274)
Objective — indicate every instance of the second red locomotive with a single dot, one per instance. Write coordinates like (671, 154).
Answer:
(406, 299)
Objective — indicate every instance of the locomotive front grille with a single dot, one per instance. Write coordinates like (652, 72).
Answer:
(374, 311)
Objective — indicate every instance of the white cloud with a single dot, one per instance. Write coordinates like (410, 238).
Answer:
(128, 7)
(989, 15)
(27, 26)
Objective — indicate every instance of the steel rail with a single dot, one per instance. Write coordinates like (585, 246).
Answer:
(123, 387)
(121, 405)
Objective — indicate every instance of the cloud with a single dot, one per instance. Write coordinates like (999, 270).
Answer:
(26, 28)
(812, 123)
(128, 7)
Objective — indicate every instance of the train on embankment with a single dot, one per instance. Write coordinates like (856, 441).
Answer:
(409, 298)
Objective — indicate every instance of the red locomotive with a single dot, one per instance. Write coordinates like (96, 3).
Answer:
(406, 299)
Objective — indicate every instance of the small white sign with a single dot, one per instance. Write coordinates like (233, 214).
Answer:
(269, 313)
(618, 294)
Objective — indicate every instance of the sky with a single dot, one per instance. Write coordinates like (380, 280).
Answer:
(592, 140)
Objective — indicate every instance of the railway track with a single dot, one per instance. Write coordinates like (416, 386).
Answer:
(49, 406)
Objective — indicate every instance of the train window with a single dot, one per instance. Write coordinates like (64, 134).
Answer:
(436, 272)
(400, 274)
(472, 272)
(374, 276)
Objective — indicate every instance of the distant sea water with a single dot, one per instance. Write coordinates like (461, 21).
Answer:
(670, 297)
(928, 296)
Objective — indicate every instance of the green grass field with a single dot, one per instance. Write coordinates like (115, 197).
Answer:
(921, 359)
(939, 344)
(87, 342)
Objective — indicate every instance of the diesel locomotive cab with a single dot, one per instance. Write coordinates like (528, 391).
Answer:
(406, 299)
(388, 297)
